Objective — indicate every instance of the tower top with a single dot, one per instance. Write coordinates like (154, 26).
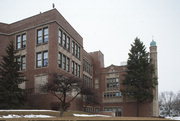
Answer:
(153, 43)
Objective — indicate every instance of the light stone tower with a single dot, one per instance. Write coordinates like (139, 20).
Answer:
(153, 56)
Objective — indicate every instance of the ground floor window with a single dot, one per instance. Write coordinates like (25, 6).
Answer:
(117, 110)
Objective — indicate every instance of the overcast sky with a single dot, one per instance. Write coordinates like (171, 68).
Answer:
(112, 25)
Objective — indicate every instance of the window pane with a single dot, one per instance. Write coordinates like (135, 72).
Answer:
(64, 62)
(60, 37)
(46, 38)
(45, 35)
(23, 59)
(39, 36)
(18, 42)
(68, 43)
(39, 32)
(64, 40)
(45, 58)
(67, 65)
(18, 60)
(23, 40)
(39, 60)
(60, 60)
(45, 31)
(73, 47)
(78, 52)
(72, 64)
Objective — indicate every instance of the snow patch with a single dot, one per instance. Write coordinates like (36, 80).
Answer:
(26, 116)
(27, 110)
(85, 115)
(173, 118)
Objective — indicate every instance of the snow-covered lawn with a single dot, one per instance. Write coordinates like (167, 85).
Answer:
(85, 115)
(26, 116)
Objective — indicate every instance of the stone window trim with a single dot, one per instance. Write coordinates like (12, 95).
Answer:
(21, 41)
(42, 35)
(42, 59)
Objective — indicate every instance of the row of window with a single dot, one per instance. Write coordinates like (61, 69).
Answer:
(63, 62)
(64, 40)
(42, 37)
(87, 67)
(75, 69)
(91, 109)
(87, 81)
(117, 110)
(112, 94)
(75, 49)
(113, 83)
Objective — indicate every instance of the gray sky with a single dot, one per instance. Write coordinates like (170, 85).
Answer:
(112, 25)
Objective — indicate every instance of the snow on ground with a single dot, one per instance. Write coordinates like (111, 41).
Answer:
(27, 110)
(173, 118)
(85, 115)
(26, 116)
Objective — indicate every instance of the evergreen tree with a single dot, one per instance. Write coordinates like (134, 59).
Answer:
(11, 96)
(139, 82)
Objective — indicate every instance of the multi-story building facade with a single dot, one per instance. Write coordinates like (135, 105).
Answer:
(46, 43)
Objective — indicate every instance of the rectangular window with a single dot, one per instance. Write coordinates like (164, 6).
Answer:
(60, 37)
(39, 36)
(64, 40)
(72, 64)
(42, 36)
(45, 35)
(23, 62)
(68, 43)
(42, 59)
(67, 64)
(20, 41)
(39, 60)
(60, 60)
(78, 70)
(75, 53)
(45, 59)
(23, 40)
(73, 48)
(75, 69)
(64, 62)
(78, 52)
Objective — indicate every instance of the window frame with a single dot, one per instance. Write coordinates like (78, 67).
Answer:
(42, 59)
(42, 35)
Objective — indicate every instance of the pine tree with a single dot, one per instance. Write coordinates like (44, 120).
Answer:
(11, 96)
(139, 82)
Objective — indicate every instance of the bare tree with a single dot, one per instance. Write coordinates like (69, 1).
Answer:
(168, 103)
(66, 89)
(176, 105)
